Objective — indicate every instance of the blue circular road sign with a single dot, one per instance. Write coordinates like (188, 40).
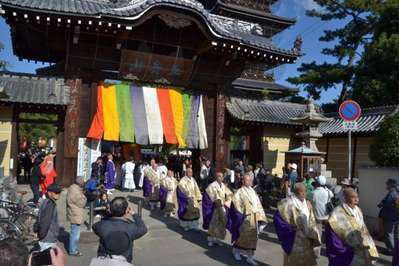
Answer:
(350, 111)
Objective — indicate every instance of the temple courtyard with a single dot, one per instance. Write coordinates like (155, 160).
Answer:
(167, 244)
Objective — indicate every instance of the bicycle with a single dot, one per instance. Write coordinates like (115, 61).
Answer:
(19, 222)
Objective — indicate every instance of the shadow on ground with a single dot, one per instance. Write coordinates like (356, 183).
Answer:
(222, 254)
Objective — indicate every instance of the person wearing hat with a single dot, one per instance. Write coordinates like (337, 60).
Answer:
(390, 215)
(47, 227)
(339, 190)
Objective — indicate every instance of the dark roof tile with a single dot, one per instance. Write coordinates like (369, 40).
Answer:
(226, 27)
(274, 112)
(32, 89)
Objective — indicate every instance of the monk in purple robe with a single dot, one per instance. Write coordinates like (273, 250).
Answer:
(216, 201)
(189, 198)
(110, 175)
(348, 242)
(247, 219)
(296, 228)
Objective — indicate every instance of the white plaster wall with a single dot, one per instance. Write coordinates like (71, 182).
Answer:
(372, 188)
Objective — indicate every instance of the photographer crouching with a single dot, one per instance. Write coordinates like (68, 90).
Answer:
(117, 234)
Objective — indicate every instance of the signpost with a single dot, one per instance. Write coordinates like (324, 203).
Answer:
(350, 112)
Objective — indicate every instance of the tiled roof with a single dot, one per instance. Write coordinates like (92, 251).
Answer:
(242, 83)
(369, 122)
(264, 111)
(274, 112)
(31, 89)
(222, 27)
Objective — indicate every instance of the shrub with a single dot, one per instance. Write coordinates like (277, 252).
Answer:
(385, 149)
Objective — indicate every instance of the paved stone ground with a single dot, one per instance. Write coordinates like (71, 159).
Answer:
(167, 244)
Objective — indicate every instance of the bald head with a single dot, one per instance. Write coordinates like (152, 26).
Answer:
(247, 180)
(219, 177)
(351, 197)
(300, 191)
(189, 172)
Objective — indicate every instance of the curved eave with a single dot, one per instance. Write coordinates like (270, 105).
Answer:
(258, 16)
(219, 34)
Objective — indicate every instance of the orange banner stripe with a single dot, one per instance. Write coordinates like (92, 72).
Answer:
(96, 130)
(167, 116)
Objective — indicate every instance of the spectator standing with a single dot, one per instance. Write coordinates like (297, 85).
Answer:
(390, 215)
(97, 169)
(128, 173)
(35, 178)
(76, 202)
(308, 182)
(339, 190)
(240, 167)
(205, 174)
(293, 175)
(47, 227)
(320, 198)
(137, 174)
(122, 223)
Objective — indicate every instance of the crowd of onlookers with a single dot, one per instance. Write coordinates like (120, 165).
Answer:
(118, 217)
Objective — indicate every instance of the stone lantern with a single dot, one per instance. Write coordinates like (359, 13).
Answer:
(307, 155)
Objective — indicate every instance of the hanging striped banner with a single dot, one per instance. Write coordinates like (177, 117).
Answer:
(154, 122)
(148, 115)
(110, 113)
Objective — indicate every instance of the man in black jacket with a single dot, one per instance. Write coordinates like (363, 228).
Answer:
(35, 178)
(48, 226)
(122, 222)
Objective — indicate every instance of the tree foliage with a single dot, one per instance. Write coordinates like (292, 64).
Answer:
(385, 149)
(366, 50)
(32, 131)
(376, 79)
(359, 17)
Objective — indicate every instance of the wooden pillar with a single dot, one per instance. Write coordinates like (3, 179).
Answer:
(221, 134)
(59, 162)
(71, 134)
(255, 145)
(354, 156)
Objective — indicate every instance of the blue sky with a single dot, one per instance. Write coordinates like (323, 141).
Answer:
(309, 28)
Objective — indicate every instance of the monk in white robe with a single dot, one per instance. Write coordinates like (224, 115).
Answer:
(215, 205)
(167, 194)
(151, 185)
(348, 242)
(246, 220)
(296, 229)
(189, 197)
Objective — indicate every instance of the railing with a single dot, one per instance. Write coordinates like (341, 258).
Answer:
(257, 72)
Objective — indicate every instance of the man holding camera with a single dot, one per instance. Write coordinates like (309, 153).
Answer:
(123, 224)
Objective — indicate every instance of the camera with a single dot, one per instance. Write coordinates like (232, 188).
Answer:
(42, 257)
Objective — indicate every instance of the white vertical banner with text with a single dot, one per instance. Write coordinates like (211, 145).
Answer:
(89, 150)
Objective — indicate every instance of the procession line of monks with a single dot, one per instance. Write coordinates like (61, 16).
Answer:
(348, 241)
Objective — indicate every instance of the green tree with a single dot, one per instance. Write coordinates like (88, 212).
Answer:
(32, 131)
(376, 79)
(359, 16)
(385, 149)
